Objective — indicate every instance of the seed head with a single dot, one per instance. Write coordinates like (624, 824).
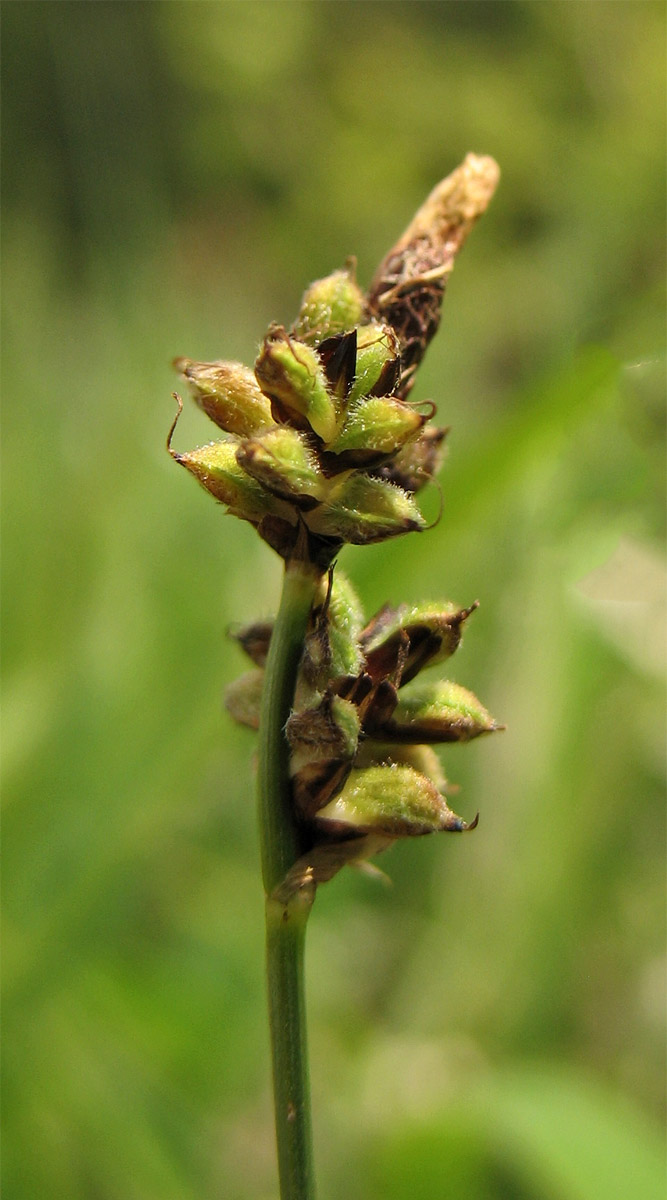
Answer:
(321, 448)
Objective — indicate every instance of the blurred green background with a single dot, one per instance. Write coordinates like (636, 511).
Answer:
(491, 1027)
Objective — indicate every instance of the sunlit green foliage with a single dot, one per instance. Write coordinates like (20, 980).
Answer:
(174, 174)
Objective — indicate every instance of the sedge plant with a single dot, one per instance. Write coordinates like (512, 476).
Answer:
(322, 447)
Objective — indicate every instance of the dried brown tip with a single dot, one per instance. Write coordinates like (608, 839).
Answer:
(449, 213)
(461, 616)
(409, 284)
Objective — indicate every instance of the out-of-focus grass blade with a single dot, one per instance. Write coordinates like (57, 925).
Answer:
(529, 1134)
(571, 1139)
(535, 429)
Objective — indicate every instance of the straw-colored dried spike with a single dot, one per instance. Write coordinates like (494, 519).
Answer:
(409, 284)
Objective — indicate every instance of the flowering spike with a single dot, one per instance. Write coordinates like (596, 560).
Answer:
(361, 770)
(322, 450)
(327, 452)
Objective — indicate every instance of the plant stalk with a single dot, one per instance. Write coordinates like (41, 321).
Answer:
(286, 922)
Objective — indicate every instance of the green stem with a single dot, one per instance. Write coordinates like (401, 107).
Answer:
(286, 922)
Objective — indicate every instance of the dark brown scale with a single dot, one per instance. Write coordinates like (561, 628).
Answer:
(338, 355)
(414, 314)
